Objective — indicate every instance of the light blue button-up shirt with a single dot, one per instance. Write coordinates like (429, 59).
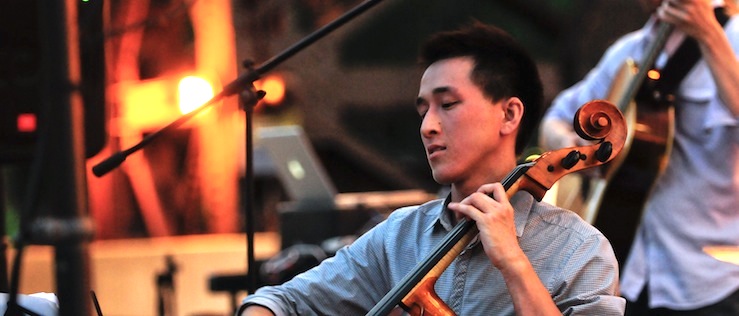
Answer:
(695, 203)
(573, 260)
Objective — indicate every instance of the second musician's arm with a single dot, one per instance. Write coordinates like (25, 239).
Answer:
(696, 18)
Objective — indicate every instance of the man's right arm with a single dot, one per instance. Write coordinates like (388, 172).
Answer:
(345, 284)
(256, 310)
(556, 130)
(556, 134)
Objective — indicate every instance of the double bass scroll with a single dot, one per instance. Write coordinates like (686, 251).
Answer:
(597, 120)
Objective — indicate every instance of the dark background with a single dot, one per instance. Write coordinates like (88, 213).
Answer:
(352, 91)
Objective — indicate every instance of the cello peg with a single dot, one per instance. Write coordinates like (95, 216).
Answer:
(604, 151)
(571, 159)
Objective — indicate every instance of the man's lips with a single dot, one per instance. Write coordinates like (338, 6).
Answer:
(434, 148)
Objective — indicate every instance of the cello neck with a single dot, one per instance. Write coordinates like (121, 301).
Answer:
(440, 258)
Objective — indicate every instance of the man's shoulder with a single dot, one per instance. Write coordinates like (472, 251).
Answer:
(562, 220)
(428, 211)
(554, 234)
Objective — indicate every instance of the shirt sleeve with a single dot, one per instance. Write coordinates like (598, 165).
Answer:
(347, 284)
(597, 83)
(590, 281)
(700, 86)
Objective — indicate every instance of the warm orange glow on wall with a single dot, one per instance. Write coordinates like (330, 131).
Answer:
(148, 104)
(274, 86)
(154, 103)
(193, 92)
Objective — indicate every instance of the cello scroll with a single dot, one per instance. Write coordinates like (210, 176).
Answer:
(597, 120)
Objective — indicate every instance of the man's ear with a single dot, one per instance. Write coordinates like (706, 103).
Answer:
(512, 114)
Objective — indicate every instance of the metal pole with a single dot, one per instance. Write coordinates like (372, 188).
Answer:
(62, 203)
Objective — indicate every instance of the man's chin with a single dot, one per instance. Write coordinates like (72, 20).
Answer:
(442, 179)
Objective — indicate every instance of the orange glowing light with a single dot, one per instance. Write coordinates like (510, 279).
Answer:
(147, 104)
(193, 92)
(274, 86)
(653, 74)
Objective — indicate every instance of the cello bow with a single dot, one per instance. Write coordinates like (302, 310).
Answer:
(597, 120)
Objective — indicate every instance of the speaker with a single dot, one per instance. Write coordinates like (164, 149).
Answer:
(21, 74)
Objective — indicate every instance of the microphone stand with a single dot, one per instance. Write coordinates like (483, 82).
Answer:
(249, 96)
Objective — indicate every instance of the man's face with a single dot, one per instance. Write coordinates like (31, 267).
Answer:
(460, 127)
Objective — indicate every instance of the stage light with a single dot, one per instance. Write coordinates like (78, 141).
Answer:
(193, 92)
(653, 74)
(274, 86)
(153, 103)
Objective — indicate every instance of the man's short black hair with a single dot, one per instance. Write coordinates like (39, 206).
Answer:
(502, 69)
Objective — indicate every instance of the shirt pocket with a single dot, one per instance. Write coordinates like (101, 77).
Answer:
(704, 109)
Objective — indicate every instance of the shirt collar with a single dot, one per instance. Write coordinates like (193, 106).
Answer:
(522, 202)
(445, 218)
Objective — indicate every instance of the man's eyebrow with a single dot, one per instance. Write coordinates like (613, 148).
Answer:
(435, 91)
(441, 90)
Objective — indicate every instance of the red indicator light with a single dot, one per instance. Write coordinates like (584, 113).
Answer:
(26, 122)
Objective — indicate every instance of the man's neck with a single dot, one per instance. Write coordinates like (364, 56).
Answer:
(460, 191)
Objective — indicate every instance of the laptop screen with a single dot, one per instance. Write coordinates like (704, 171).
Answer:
(298, 168)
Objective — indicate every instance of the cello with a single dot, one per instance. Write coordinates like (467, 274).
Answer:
(597, 120)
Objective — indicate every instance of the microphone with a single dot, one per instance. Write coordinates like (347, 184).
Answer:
(116, 159)
(109, 164)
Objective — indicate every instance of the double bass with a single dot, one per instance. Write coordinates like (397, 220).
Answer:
(598, 120)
